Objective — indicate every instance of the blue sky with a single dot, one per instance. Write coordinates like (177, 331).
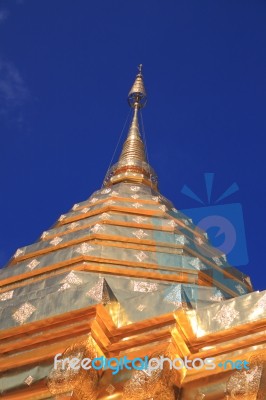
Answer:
(65, 70)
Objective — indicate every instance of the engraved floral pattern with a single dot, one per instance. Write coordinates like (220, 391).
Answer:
(181, 239)
(44, 234)
(110, 202)
(84, 248)
(104, 216)
(106, 191)
(72, 279)
(174, 297)
(56, 241)
(33, 264)
(110, 389)
(141, 256)
(29, 380)
(143, 287)
(23, 313)
(18, 253)
(198, 264)
(93, 200)
(85, 210)
(137, 205)
(73, 225)
(6, 295)
(226, 315)
(217, 261)
(97, 228)
(135, 188)
(140, 234)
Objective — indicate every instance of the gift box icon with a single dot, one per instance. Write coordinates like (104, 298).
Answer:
(224, 223)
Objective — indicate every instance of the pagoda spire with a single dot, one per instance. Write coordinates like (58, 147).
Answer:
(133, 148)
(132, 165)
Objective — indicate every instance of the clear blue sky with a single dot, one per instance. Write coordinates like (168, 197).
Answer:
(65, 70)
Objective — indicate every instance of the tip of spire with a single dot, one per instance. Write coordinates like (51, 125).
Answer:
(132, 165)
(137, 96)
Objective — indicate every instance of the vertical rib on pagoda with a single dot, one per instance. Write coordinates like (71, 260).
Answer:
(124, 273)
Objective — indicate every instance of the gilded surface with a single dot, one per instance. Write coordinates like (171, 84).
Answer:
(124, 273)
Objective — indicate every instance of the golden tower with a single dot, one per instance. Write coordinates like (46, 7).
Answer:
(125, 274)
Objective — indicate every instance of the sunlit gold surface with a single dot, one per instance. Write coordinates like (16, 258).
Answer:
(132, 301)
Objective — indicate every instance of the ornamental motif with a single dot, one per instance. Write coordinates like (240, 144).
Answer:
(174, 210)
(143, 287)
(23, 313)
(56, 241)
(97, 228)
(181, 239)
(134, 196)
(62, 217)
(19, 252)
(99, 293)
(75, 206)
(185, 221)
(198, 264)
(93, 200)
(134, 188)
(114, 193)
(44, 234)
(217, 296)
(84, 248)
(217, 261)
(137, 205)
(140, 234)
(172, 223)
(106, 191)
(174, 297)
(246, 384)
(226, 315)
(33, 264)
(72, 279)
(65, 286)
(110, 389)
(73, 225)
(110, 202)
(85, 210)
(155, 198)
(29, 380)
(163, 207)
(6, 296)
(104, 216)
(141, 307)
(139, 220)
(141, 256)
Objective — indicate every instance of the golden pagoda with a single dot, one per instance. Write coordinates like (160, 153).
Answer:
(125, 275)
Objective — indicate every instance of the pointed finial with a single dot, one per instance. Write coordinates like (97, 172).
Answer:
(137, 96)
(132, 165)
